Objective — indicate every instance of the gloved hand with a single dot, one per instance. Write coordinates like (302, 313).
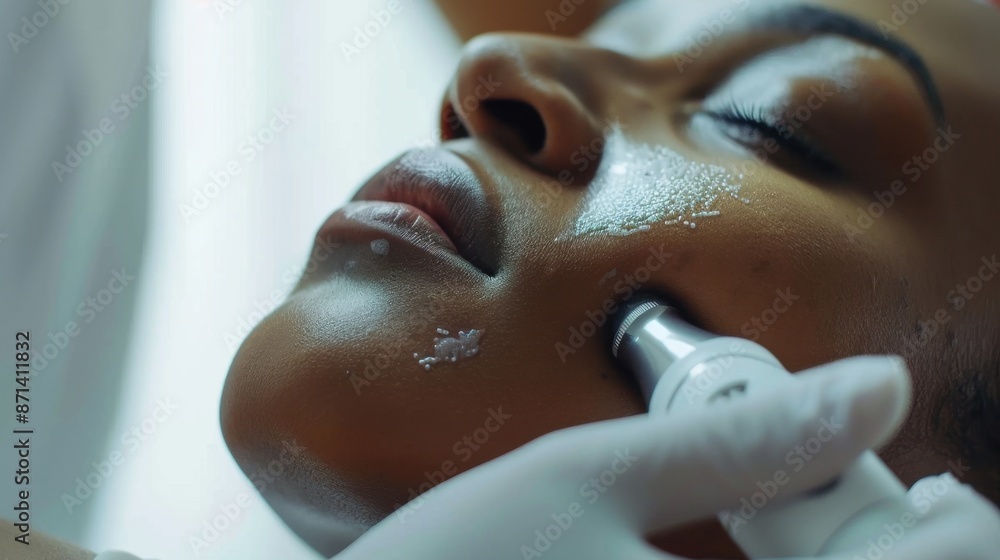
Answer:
(595, 491)
(947, 521)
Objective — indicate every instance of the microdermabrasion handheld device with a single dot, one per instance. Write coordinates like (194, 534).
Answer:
(680, 366)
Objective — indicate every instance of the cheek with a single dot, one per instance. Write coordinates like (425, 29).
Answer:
(781, 270)
(809, 288)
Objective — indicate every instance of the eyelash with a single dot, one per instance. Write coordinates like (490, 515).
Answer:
(754, 119)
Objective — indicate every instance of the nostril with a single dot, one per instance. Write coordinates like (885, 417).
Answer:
(520, 118)
(452, 127)
(515, 123)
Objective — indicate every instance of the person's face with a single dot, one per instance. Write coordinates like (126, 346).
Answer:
(768, 175)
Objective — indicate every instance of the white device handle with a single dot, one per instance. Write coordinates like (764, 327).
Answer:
(842, 514)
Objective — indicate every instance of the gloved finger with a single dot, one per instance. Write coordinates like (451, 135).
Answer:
(659, 472)
(947, 519)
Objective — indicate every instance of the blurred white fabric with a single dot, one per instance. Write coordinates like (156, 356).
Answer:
(75, 91)
(239, 70)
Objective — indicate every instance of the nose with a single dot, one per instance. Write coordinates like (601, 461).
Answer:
(538, 97)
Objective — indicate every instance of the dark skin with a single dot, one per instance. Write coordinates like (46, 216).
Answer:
(369, 444)
(41, 547)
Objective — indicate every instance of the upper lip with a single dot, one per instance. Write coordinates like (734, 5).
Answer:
(441, 184)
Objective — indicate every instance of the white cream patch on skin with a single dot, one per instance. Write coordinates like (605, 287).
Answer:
(452, 349)
(642, 186)
(380, 246)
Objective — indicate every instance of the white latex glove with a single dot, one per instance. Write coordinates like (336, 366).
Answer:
(950, 521)
(595, 491)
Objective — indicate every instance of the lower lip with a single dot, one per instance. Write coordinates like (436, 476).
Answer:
(392, 221)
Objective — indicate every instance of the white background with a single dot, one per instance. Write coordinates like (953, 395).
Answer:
(227, 73)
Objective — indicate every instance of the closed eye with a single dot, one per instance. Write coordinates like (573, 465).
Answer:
(753, 127)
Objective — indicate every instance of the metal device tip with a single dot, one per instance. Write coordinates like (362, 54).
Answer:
(627, 321)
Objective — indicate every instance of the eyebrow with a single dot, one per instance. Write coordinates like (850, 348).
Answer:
(815, 20)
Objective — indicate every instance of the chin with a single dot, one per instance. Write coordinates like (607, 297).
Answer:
(337, 369)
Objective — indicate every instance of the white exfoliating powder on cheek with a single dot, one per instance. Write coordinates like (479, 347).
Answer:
(452, 349)
(639, 186)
